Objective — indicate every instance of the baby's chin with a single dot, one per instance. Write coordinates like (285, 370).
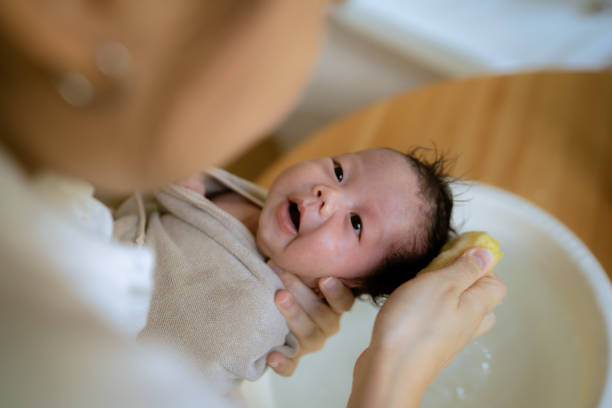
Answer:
(264, 249)
(261, 243)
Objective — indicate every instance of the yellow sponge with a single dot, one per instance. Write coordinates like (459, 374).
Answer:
(457, 245)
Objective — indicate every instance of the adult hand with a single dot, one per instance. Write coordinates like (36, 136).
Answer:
(310, 319)
(421, 328)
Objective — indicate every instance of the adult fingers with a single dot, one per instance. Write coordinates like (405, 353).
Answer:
(339, 297)
(487, 323)
(282, 365)
(322, 315)
(484, 295)
(468, 268)
(310, 336)
(302, 293)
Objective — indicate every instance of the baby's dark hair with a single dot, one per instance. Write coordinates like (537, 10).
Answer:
(405, 259)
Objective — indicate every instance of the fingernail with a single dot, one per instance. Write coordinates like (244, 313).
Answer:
(330, 283)
(273, 364)
(285, 300)
(483, 256)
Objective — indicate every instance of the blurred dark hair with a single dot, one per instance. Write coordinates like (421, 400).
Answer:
(404, 260)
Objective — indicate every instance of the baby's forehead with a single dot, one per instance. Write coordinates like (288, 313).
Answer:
(386, 169)
(385, 160)
(392, 187)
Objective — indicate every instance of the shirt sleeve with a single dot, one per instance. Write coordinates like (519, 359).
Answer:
(56, 353)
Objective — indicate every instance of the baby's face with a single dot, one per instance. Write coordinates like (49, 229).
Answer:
(339, 216)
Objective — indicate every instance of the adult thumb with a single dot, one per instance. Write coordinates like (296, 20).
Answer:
(470, 266)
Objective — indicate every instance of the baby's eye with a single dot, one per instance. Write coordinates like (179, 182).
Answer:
(356, 223)
(338, 171)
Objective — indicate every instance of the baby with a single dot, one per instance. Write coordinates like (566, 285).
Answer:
(373, 219)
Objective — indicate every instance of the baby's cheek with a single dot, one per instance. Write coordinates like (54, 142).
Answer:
(330, 253)
(330, 244)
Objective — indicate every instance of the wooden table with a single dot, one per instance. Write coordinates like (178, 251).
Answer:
(544, 136)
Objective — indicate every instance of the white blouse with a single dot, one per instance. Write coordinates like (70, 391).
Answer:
(71, 302)
(117, 284)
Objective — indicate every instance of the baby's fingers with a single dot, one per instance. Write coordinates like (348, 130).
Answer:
(195, 183)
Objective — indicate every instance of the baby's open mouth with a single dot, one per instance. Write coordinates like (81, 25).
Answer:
(294, 214)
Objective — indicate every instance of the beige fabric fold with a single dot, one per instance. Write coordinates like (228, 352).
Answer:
(213, 294)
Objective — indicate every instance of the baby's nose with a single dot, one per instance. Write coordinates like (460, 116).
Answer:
(329, 200)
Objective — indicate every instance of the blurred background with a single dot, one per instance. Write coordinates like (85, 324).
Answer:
(377, 48)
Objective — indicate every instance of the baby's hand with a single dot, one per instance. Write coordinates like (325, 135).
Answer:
(195, 183)
(310, 319)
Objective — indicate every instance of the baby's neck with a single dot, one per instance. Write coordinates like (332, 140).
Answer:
(240, 208)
